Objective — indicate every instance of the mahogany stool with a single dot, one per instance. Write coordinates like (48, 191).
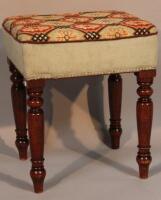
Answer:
(41, 47)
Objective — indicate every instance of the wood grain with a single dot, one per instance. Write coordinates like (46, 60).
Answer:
(144, 119)
(115, 99)
(18, 94)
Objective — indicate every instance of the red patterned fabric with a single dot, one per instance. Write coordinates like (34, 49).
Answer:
(77, 27)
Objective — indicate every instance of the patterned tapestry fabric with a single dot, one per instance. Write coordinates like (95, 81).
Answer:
(77, 27)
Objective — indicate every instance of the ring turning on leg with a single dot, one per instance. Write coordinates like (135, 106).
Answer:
(144, 119)
(18, 94)
(115, 98)
(36, 133)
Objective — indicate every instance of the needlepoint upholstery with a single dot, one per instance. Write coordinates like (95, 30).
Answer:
(79, 44)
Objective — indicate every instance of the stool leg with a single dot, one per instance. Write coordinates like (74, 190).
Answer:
(18, 94)
(36, 132)
(144, 119)
(115, 98)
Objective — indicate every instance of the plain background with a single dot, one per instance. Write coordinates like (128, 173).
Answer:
(79, 165)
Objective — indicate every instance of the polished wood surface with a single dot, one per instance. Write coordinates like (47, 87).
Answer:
(115, 99)
(36, 132)
(144, 119)
(18, 94)
(35, 119)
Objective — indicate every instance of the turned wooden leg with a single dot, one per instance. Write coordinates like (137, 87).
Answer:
(18, 93)
(115, 98)
(36, 132)
(144, 119)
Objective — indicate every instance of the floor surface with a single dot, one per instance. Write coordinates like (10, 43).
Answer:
(99, 173)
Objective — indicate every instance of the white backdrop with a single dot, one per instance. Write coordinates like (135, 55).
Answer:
(75, 109)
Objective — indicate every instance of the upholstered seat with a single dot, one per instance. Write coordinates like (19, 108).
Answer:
(79, 44)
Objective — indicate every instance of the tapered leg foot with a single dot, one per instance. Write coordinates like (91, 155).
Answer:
(144, 120)
(115, 98)
(144, 163)
(36, 133)
(18, 93)
(115, 139)
(38, 174)
(22, 146)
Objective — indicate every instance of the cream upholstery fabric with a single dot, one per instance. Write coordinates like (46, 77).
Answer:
(79, 59)
(72, 59)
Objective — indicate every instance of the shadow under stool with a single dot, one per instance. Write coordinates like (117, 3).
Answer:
(42, 47)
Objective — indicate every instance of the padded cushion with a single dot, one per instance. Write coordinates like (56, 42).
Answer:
(83, 26)
(78, 44)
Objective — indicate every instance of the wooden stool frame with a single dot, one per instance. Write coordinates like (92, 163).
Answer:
(35, 118)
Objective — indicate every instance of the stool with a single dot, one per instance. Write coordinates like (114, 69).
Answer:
(42, 47)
